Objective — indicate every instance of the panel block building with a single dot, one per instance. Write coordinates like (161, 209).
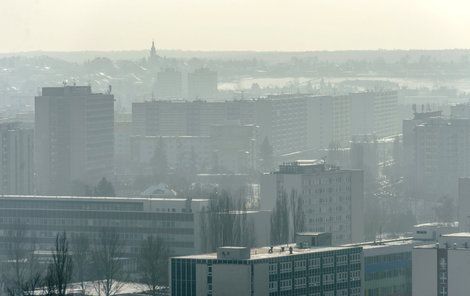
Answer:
(74, 138)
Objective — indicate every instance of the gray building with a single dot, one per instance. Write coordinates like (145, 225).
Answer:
(133, 219)
(16, 159)
(74, 142)
(375, 113)
(436, 155)
(278, 270)
(443, 268)
(169, 84)
(332, 198)
(202, 84)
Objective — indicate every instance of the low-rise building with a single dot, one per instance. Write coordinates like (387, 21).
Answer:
(279, 270)
(176, 221)
(387, 267)
(442, 268)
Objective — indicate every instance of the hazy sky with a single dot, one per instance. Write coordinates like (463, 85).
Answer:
(233, 24)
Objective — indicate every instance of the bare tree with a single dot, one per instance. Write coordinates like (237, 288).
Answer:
(297, 213)
(23, 275)
(224, 223)
(81, 254)
(107, 263)
(59, 271)
(152, 263)
(280, 220)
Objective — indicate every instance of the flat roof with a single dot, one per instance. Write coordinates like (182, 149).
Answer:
(457, 234)
(384, 243)
(263, 252)
(97, 198)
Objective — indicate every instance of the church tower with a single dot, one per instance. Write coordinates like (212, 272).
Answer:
(153, 51)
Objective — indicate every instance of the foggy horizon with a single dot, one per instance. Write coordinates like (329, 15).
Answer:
(234, 25)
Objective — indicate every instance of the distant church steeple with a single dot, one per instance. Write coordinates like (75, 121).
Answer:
(153, 51)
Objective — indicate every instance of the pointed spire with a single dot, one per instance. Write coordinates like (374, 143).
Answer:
(153, 50)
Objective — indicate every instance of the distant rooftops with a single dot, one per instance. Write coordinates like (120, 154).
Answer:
(426, 115)
(161, 191)
(69, 90)
(305, 167)
(458, 234)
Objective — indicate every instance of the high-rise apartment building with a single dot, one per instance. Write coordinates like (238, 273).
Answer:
(169, 84)
(202, 84)
(436, 155)
(176, 118)
(16, 159)
(329, 121)
(332, 198)
(73, 138)
(375, 113)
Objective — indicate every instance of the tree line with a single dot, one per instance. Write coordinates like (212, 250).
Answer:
(94, 266)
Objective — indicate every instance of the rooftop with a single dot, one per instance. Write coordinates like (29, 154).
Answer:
(305, 167)
(98, 198)
(458, 234)
(437, 224)
(264, 252)
(384, 243)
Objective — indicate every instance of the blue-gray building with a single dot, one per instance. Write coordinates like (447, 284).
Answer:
(273, 271)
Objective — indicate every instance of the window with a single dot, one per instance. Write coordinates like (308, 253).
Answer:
(273, 268)
(329, 293)
(355, 291)
(314, 281)
(285, 285)
(314, 263)
(328, 279)
(355, 258)
(342, 260)
(300, 265)
(328, 261)
(286, 267)
(342, 292)
(300, 282)
(342, 277)
(355, 275)
(314, 294)
(272, 286)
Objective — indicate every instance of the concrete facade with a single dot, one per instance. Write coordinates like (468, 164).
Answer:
(332, 198)
(443, 269)
(74, 142)
(16, 159)
(280, 270)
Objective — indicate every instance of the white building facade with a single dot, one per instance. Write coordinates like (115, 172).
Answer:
(442, 269)
(332, 198)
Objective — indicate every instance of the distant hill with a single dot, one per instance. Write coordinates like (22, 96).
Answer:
(269, 56)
